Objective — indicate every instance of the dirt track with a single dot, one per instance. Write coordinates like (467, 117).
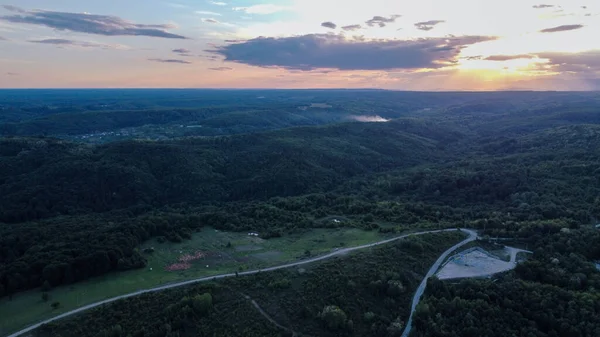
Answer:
(343, 251)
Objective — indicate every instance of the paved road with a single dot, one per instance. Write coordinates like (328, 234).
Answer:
(216, 277)
(513, 253)
(432, 270)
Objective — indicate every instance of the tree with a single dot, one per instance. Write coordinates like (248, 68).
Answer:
(55, 305)
(45, 297)
(334, 317)
(202, 304)
(395, 328)
(46, 286)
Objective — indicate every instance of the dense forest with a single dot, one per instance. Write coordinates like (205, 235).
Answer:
(513, 165)
(410, 171)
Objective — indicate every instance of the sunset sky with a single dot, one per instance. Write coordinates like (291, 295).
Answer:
(390, 44)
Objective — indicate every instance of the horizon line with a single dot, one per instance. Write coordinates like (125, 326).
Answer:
(297, 89)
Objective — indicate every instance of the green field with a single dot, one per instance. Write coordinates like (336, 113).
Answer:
(244, 253)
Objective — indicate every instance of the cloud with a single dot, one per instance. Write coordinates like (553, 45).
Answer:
(329, 24)
(508, 57)
(369, 119)
(584, 62)
(562, 28)
(221, 69)
(542, 6)
(210, 21)
(208, 13)
(381, 21)
(261, 9)
(11, 74)
(218, 3)
(170, 61)
(88, 23)
(176, 5)
(182, 52)
(14, 9)
(428, 25)
(74, 43)
(352, 27)
(328, 51)
(3, 38)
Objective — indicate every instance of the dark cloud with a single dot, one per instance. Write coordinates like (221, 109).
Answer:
(543, 6)
(182, 52)
(12, 74)
(352, 27)
(329, 24)
(381, 21)
(210, 20)
(562, 28)
(508, 57)
(221, 69)
(3, 38)
(428, 25)
(323, 51)
(584, 62)
(170, 61)
(14, 9)
(88, 23)
(74, 43)
(234, 41)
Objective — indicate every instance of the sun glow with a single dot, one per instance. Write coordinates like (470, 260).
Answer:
(515, 66)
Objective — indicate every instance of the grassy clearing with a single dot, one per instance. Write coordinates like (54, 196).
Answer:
(244, 253)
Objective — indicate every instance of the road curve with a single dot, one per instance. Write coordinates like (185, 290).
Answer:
(472, 237)
(432, 270)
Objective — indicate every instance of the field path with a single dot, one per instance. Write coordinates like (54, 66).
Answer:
(269, 318)
(472, 236)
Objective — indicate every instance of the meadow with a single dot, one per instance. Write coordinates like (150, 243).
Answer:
(224, 252)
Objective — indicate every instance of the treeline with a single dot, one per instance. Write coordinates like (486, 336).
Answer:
(66, 250)
(367, 293)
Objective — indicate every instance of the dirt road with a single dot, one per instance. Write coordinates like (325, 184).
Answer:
(288, 265)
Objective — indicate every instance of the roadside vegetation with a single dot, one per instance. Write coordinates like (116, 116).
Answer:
(220, 253)
(365, 293)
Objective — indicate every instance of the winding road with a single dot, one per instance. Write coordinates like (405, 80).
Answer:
(432, 270)
(419, 292)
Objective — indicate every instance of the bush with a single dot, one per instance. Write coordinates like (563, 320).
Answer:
(334, 317)
(202, 304)
(46, 286)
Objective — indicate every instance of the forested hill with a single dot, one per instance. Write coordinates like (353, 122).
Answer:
(44, 177)
(70, 211)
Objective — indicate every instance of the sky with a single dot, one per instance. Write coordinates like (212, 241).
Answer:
(428, 45)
